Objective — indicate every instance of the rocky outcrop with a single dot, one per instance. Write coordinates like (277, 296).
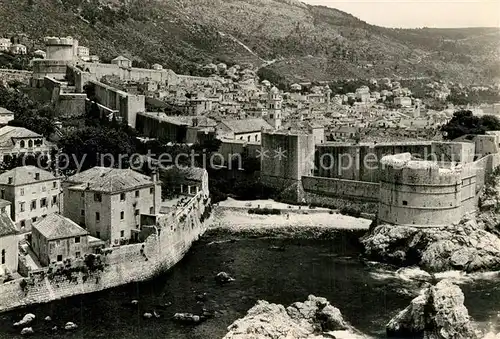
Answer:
(463, 246)
(437, 313)
(314, 318)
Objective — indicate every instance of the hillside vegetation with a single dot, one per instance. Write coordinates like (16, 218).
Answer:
(297, 42)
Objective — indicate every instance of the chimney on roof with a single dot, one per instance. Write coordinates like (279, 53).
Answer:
(11, 180)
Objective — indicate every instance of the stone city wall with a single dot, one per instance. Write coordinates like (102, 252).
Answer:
(15, 75)
(342, 194)
(122, 265)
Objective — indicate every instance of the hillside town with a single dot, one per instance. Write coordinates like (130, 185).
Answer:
(55, 219)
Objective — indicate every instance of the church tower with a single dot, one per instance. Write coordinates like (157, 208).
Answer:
(274, 108)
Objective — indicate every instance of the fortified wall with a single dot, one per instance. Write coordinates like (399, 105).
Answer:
(434, 183)
(127, 105)
(171, 237)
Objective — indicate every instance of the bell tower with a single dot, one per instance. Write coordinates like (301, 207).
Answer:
(274, 108)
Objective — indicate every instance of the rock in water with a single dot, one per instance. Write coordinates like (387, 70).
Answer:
(27, 319)
(70, 326)
(438, 313)
(27, 331)
(223, 278)
(314, 318)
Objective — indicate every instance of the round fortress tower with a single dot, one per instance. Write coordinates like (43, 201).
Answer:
(60, 48)
(419, 193)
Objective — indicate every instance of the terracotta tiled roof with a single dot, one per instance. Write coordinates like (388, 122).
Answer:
(105, 179)
(25, 175)
(6, 226)
(9, 132)
(55, 226)
(246, 125)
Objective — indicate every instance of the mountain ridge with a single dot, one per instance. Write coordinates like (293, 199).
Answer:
(309, 42)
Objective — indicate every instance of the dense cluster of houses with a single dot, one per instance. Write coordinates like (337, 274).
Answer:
(46, 218)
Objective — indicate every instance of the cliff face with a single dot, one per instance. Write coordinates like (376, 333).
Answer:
(303, 42)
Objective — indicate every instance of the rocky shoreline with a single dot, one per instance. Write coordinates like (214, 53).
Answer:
(438, 312)
(467, 246)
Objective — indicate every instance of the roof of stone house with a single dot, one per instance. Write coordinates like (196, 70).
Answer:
(106, 179)
(120, 58)
(5, 111)
(55, 226)
(25, 175)
(246, 125)
(6, 225)
(9, 132)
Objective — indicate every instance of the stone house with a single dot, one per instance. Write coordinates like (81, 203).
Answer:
(122, 62)
(18, 49)
(108, 202)
(18, 141)
(244, 129)
(5, 44)
(8, 245)
(56, 238)
(33, 193)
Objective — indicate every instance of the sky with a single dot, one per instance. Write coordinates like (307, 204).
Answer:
(420, 13)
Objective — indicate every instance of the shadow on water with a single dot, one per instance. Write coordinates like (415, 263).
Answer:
(277, 270)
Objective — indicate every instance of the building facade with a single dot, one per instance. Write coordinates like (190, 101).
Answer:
(8, 246)
(56, 238)
(108, 202)
(19, 141)
(33, 193)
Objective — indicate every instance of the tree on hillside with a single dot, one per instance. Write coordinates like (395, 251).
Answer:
(464, 122)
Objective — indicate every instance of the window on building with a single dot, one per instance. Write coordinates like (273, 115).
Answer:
(98, 234)
(3, 257)
(22, 143)
(54, 200)
(33, 205)
(54, 184)
(44, 188)
(82, 212)
(3, 210)
(2, 194)
(122, 234)
(43, 202)
(82, 195)
(137, 194)
(151, 210)
(37, 176)
(98, 197)
(30, 143)
(256, 138)
(21, 191)
(122, 196)
(405, 203)
(151, 190)
(97, 216)
(77, 254)
(122, 215)
(33, 219)
(77, 240)
(23, 223)
(59, 257)
(137, 212)
(248, 138)
(21, 206)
